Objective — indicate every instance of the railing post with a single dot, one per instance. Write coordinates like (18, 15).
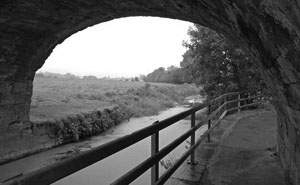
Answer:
(239, 103)
(246, 101)
(154, 150)
(192, 157)
(225, 100)
(219, 113)
(209, 123)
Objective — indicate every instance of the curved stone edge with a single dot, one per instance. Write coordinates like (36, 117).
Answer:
(53, 133)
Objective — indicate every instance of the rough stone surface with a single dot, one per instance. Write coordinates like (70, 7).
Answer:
(269, 30)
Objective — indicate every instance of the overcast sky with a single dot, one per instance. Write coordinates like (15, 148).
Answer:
(124, 47)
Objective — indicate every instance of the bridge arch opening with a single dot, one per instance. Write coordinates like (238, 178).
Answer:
(115, 52)
(269, 30)
(145, 42)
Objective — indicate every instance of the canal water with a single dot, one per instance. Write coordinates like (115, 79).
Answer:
(109, 169)
(106, 171)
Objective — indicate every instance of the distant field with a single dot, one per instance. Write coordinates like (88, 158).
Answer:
(57, 97)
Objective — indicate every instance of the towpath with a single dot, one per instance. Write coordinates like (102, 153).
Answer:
(242, 151)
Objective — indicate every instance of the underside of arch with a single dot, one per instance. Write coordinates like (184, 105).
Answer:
(269, 30)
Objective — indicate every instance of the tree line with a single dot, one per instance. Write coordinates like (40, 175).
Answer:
(172, 74)
(213, 62)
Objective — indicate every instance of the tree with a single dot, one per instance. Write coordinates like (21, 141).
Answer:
(142, 77)
(173, 74)
(217, 64)
(156, 75)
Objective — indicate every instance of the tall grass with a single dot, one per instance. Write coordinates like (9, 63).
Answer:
(74, 109)
(54, 98)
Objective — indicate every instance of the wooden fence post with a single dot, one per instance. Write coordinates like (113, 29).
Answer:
(192, 157)
(239, 103)
(154, 150)
(219, 113)
(225, 100)
(209, 123)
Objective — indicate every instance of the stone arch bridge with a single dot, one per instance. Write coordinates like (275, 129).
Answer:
(268, 30)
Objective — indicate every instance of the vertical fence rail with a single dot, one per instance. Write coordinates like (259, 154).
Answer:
(239, 103)
(209, 122)
(225, 99)
(154, 150)
(218, 105)
(192, 157)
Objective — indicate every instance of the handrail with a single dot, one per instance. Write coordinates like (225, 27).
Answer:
(227, 94)
(171, 170)
(59, 170)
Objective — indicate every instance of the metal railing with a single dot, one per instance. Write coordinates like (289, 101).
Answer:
(217, 109)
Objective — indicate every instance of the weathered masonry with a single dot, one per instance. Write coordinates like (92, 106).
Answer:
(269, 30)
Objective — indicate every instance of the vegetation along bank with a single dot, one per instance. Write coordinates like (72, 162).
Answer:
(72, 108)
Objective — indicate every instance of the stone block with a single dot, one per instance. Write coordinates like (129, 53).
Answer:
(287, 157)
(292, 151)
(7, 116)
(29, 86)
(294, 116)
(294, 172)
(280, 130)
(12, 112)
(19, 87)
(5, 88)
(286, 139)
(298, 161)
(292, 133)
(3, 65)
(6, 100)
(285, 70)
(22, 110)
(12, 99)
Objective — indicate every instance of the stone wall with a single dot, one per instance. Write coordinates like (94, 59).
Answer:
(268, 30)
(15, 101)
(23, 140)
(289, 144)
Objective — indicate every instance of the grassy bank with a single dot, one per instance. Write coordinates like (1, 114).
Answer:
(73, 109)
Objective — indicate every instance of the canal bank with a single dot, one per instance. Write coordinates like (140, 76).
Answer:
(242, 151)
(68, 110)
(38, 136)
(116, 165)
